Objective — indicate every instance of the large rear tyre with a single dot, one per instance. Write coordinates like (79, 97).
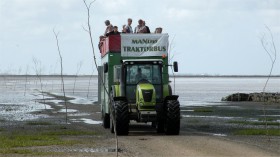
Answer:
(122, 117)
(106, 121)
(172, 123)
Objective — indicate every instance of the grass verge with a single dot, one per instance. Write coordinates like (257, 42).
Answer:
(267, 119)
(271, 132)
(203, 110)
(255, 123)
(38, 123)
(21, 142)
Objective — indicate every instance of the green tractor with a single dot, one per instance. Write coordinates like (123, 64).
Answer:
(134, 83)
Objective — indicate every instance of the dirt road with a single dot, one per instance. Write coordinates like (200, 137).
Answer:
(188, 145)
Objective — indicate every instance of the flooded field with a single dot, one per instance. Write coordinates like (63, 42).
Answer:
(18, 94)
(28, 107)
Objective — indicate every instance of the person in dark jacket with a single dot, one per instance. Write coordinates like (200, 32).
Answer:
(147, 28)
(114, 32)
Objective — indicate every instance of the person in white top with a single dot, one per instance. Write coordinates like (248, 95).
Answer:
(109, 27)
(141, 28)
(128, 28)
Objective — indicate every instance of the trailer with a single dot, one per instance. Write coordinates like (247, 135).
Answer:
(134, 83)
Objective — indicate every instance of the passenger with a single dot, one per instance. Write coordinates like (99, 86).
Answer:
(114, 32)
(128, 26)
(124, 29)
(140, 28)
(147, 28)
(158, 30)
(109, 27)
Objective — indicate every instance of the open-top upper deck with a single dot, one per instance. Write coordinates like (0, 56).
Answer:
(135, 45)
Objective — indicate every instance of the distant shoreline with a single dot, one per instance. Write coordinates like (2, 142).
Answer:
(181, 76)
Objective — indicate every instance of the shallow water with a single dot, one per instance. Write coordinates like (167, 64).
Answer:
(209, 91)
(19, 95)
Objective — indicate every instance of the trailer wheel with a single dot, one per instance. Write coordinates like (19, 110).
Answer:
(172, 123)
(106, 121)
(122, 117)
(112, 125)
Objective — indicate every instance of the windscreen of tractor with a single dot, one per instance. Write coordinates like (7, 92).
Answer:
(144, 72)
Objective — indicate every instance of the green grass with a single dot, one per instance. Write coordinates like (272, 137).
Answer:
(69, 133)
(38, 123)
(27, 152)
(203, 110)
(14, 141)
(19, 142)
(267, 119)
(272, 132)
(255, 123)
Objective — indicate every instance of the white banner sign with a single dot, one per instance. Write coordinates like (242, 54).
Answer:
(136, 45)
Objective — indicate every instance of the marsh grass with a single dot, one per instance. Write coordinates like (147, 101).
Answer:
(26, 152)
(203, 110)
(38, 123)
(21, 142)
(255, 123)
(267, 119)
(271, 132)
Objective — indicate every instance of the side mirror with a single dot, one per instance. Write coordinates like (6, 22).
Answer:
(105, 67)
(175, 66)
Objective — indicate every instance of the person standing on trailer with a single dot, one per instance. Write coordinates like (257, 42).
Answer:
(109, 27)
(128, 27)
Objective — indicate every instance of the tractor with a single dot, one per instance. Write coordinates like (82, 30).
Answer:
(133, 83)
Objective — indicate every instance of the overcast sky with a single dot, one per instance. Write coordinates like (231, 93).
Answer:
(210, 36)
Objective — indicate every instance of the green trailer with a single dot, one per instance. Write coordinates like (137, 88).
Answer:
(134, 83)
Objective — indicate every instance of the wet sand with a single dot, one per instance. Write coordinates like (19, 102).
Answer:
(205, 130)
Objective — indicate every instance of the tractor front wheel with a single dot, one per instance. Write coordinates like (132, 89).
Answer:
(121, 117)
(172, 123)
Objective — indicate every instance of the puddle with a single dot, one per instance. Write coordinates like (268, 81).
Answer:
(81, 101)
(68, 110)
(187, 110)
(78, 114)
(222, 135)
(87, 121)
(195, 116)
(90, 121)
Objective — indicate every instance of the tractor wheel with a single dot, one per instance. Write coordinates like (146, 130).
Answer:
(122, 117)
(172, 123)
(106, 121)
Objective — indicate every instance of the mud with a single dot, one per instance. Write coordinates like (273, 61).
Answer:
(206, 130)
